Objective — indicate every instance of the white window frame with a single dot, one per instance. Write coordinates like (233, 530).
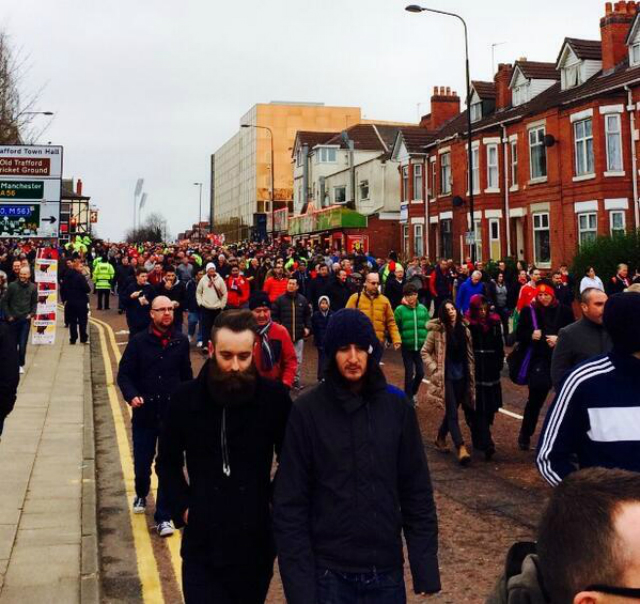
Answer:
(538, 220)
(588, 230)
(405, 183)
(475, 169)
(513, 152)
(610, 136)
(634, 54)
(364, 184)
(405, 239)
(445, 173)
(493, 169)
(477, 230)
(539, 133)
(572, 76)
(417, 182)
(418, 240)
(335, 196)
(326, 155)
(494, 222)
(623, 215)
(583, 147)
(476, 111)
(520, 94)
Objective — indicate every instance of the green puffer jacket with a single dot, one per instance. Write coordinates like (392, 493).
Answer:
(412, 324)
(103, 273)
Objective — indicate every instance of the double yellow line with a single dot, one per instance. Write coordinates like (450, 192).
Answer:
(146, 560)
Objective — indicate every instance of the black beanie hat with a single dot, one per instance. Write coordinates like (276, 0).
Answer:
(622, 321)
(259, 299)
(350, 326)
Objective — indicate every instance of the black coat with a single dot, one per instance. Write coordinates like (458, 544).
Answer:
(229, 516)
(9, 376)
(339, 294)
(75, 290)
(353, 477)
(293, 313)
(318, 287)
(138, 315)
(488, 350)
(147, 369)
(393, 291)
(319, 323)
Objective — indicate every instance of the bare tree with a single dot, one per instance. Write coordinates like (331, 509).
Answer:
(16, 111)
(153, 229)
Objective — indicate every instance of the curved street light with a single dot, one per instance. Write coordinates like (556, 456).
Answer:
(415, 8)
(199, 184)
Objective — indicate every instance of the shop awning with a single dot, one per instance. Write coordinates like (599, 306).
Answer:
(326, 220)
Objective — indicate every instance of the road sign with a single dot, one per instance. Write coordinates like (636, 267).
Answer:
(16, 189)
(29, 219)
(30, 190)
(470, 238)
(93, 216)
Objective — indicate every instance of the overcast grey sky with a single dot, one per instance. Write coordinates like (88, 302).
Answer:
(150, 88)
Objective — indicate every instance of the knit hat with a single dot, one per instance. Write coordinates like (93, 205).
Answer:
(621, 314)
(210, 265)
(350, 326)
(544, 288)
(259, 299)
(326, 299)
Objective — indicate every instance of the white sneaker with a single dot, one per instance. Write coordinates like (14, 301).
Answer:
(139, 505)
(165, 529)
(199, 345)
(21, 370)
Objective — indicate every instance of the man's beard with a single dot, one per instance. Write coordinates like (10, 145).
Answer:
(231, 388)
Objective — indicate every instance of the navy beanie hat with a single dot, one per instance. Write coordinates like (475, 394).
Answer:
(259, 299)
(350, 326)
(622, 321)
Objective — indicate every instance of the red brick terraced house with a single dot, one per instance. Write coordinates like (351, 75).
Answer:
(555, 150)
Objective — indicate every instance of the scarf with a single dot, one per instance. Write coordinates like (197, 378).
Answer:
(267, 354)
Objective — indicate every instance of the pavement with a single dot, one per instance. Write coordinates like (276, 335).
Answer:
(48, 544)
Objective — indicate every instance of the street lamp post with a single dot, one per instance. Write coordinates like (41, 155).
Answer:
(273, 224)
(199, 184)
(414, 8)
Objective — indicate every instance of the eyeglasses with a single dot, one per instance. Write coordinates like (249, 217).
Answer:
(168, 309)
(612, 590)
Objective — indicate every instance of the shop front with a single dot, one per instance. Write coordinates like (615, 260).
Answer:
(336, 228)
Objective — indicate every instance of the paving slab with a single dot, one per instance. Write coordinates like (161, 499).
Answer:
(41, 505)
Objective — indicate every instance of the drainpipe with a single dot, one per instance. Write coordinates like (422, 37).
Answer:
(426, 174)
(305, 175)
(634, 159)
(505, 149)
(351, 203)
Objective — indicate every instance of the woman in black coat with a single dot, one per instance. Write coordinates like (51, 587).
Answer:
(538, 328)
(488, 350)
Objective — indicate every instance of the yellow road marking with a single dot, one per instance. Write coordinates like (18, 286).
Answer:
(174, 542)
(147, 567)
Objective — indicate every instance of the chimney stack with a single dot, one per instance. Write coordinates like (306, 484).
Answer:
(503, 92)
(445, 105)
(614, 27)
(79, 187)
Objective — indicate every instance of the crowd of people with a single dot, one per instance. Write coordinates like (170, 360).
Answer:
(352, 472)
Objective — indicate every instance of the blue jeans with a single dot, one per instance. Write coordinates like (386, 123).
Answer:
(192, 321)
(145, 439)
(21, 329)
(336, 587)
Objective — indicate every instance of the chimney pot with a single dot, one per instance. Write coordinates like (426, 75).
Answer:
(435, 90)
(79, 187)
(608, 8)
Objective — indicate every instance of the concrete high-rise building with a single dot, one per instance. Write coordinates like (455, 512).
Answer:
(241, 167)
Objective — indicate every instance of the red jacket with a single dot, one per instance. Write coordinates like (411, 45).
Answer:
(285, 362)
(527, 294)
(237, 291)
(274, 288)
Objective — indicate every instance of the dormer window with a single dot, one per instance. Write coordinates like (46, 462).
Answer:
(520, 95)
(326, 155)
(634, 54)
(571, 76)
(476, 112)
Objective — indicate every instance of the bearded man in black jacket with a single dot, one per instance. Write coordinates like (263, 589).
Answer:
(228, 422)
(353, 479)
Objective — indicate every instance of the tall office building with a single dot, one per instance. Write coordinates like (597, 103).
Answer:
(241, 167)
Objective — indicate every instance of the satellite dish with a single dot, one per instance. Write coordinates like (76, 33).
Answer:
(549, 140)
(457, 201)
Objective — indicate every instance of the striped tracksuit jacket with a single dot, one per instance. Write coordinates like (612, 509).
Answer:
(594, 419)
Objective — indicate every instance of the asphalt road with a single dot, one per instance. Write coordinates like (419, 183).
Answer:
(482, 509)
